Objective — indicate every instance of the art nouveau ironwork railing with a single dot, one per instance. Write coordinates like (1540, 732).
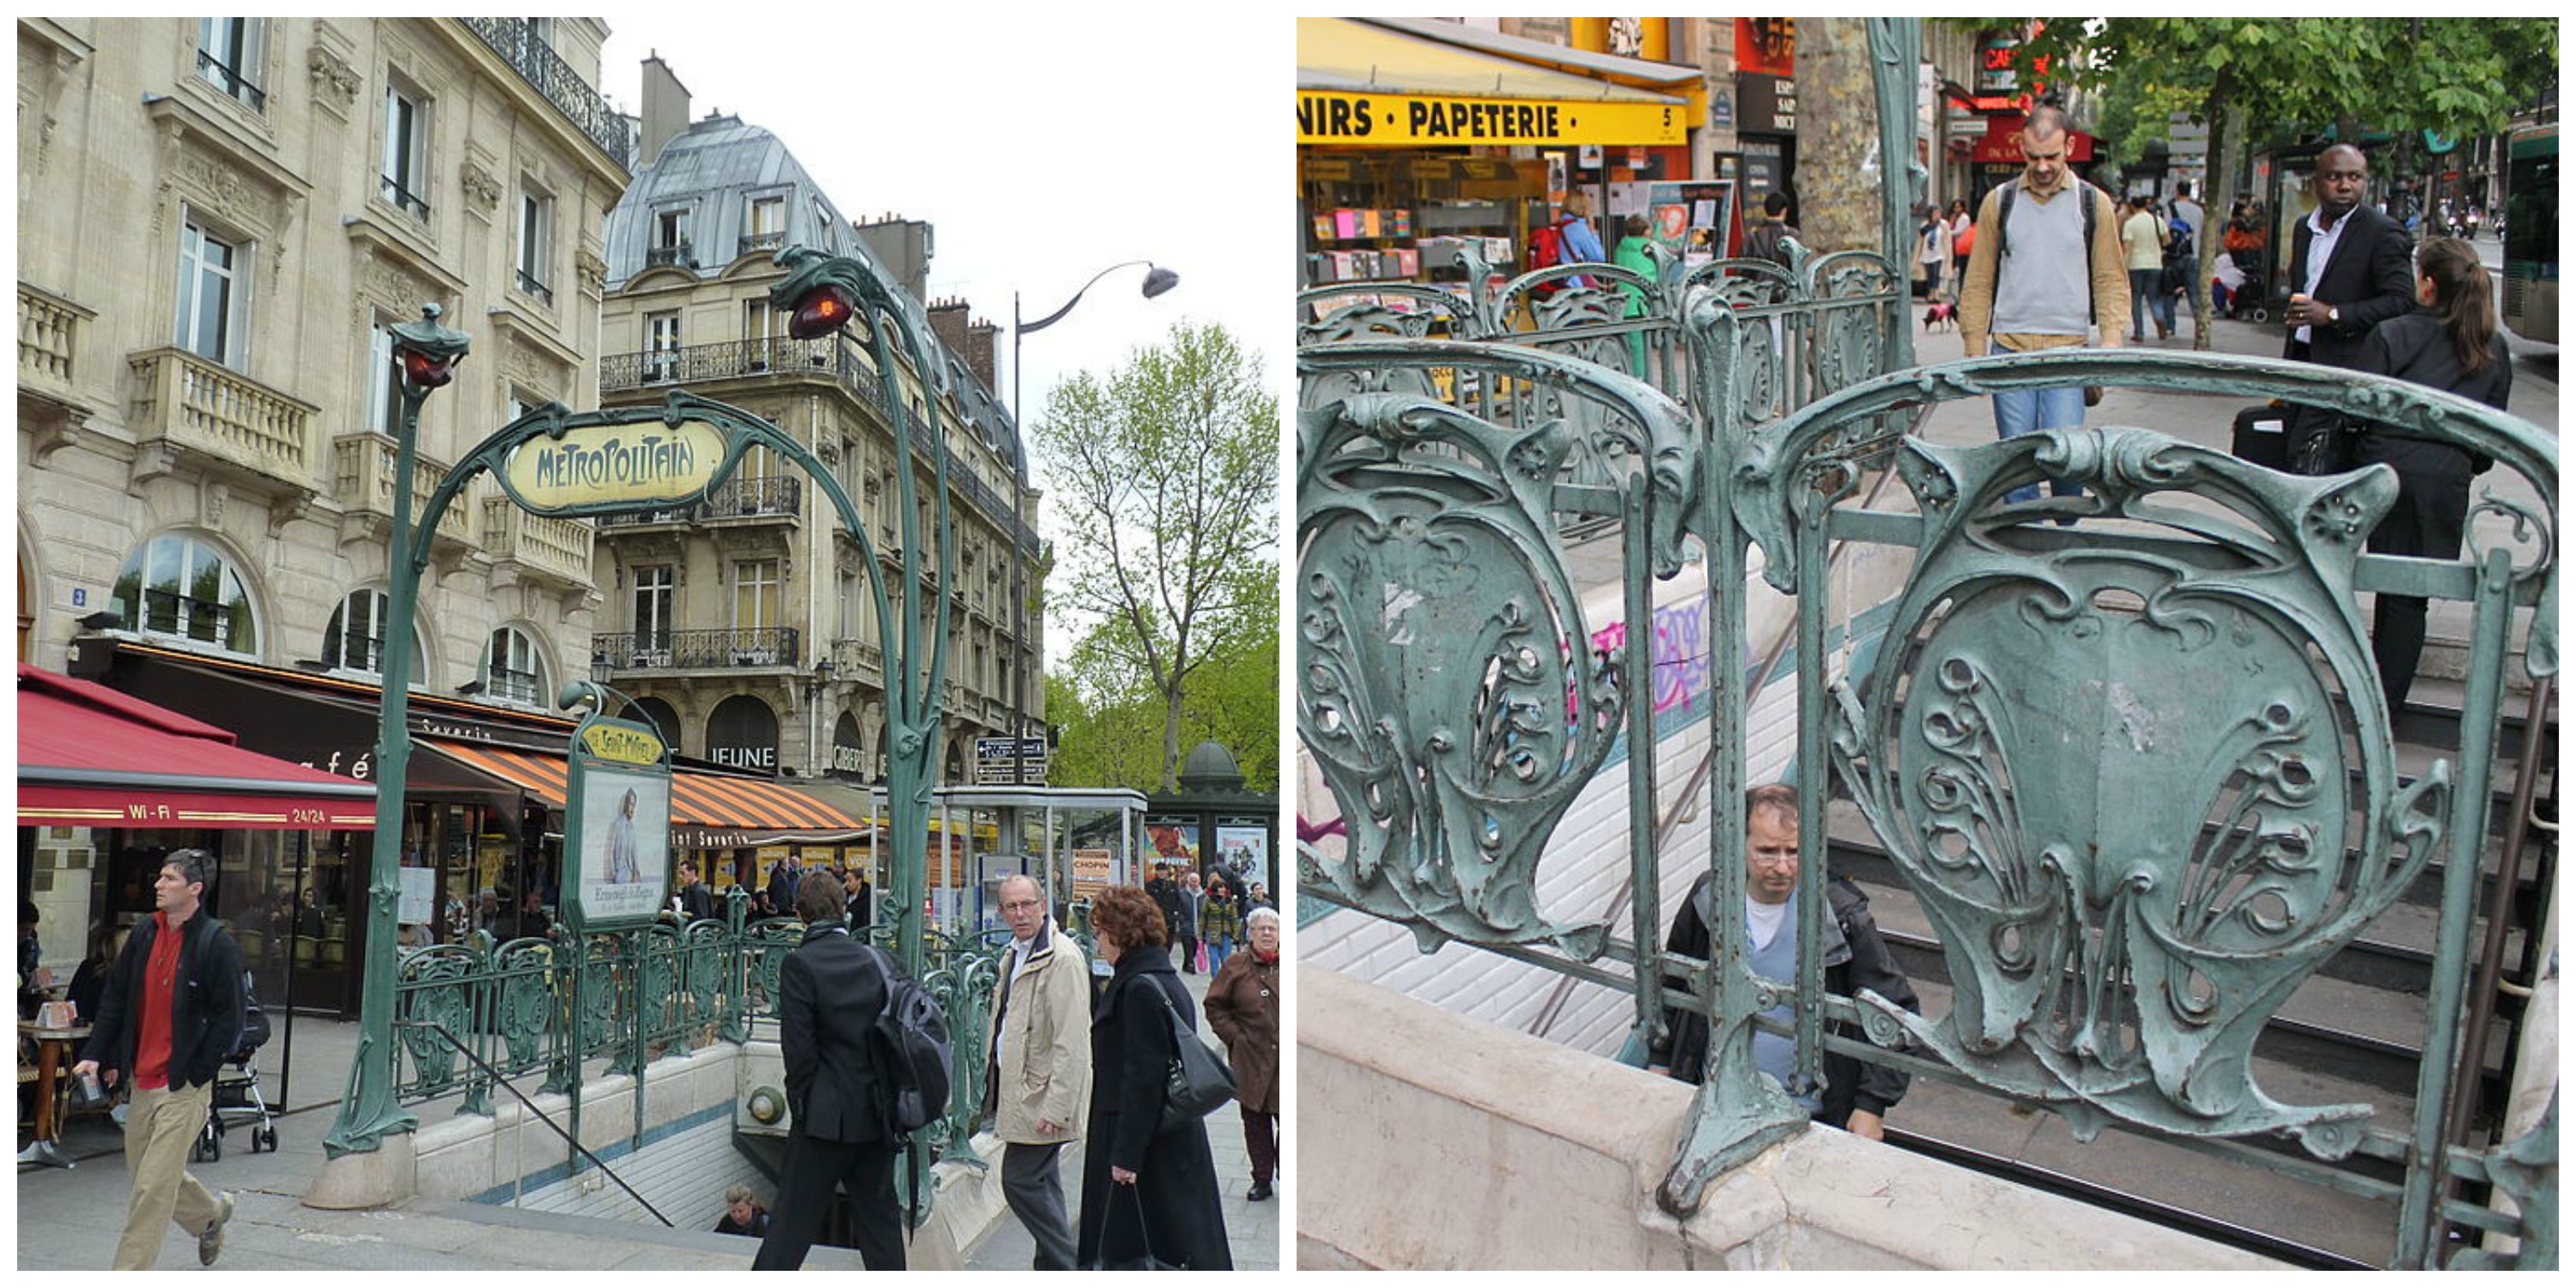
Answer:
(555, 1006)
(2128, 749)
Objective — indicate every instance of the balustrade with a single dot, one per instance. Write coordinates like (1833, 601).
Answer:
(201, 406)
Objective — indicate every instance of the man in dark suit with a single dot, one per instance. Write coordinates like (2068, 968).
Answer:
(833, 1091)
(782, 886)
(2351, 268)
(857, 899)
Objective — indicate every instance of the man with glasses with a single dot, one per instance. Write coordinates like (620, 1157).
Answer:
(1040, 1057)
(1855, 1096)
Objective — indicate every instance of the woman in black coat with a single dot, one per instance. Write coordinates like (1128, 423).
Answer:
(1145, 1192)
(2450, 343)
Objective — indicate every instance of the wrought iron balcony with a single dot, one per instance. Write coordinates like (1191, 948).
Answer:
(749, 646)
(531, 287)
(776, 496)
(526, 52)
(676, 255)
(201, 407)
(403, 198)
(732, 360)
(751, 243)
(232, 82)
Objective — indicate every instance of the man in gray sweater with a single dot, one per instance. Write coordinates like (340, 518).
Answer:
(2035, 281)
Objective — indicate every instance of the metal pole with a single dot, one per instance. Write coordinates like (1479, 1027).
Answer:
(369, 1112)
(428, 354)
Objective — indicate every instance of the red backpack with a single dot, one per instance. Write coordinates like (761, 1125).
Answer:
(1547, 246)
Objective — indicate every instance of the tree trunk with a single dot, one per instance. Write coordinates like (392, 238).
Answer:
(1839, 169)
(2217, 196)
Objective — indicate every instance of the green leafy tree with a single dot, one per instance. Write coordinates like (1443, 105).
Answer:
(1167, 480)
(2458, 76)
(1109, 717)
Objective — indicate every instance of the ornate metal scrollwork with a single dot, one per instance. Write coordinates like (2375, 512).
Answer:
(2109, 953)
(1449, 690)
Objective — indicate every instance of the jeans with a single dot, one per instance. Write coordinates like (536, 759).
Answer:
(2146, 299)
(2027, 411)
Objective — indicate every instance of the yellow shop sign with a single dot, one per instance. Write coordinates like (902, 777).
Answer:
(597, 466)
(1420, 120)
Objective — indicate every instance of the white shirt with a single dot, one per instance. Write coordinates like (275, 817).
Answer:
(1765, 919)
(2320, 251)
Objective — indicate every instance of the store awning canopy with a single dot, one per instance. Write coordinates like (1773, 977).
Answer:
(1392, 83)
(708, 811)
(89, 756)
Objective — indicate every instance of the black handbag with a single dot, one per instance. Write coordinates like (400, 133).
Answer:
(1147, 1262)
(1196, 1079)
(2326, 445)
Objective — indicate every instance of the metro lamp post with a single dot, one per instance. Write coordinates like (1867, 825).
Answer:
(428, 353)
(1157, 280)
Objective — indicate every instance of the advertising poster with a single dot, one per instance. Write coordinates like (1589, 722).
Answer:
(1172, 839)
(625, 844)
(1094, 872)
(1244, 852)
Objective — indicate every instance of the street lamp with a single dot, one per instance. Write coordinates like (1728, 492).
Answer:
(1157, 280)
(428, 353)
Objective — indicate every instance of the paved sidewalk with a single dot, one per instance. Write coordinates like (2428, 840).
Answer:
(70, 1219)
(1251, 1228)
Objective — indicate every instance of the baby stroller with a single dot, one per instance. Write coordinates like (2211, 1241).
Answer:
(237, 1099)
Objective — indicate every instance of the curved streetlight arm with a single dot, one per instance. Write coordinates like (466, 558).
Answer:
(1157, 280)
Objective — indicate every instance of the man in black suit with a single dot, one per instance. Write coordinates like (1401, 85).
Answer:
(2351, 268)
(857, 899)
(782, 886)
(833, 1091)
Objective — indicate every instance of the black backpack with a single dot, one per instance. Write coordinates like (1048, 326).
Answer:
(912, 1049)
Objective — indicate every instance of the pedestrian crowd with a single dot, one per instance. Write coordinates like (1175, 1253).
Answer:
(1072, 1055)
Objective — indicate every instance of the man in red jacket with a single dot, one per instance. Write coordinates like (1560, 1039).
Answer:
(170, 1014)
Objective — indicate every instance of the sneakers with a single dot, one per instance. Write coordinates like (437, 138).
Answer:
(210, 1244)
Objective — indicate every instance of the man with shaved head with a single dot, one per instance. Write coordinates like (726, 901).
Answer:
(2046, 273)
(2351, 269)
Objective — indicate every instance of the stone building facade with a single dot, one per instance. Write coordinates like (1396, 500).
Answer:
(743, 624)
(219, 219)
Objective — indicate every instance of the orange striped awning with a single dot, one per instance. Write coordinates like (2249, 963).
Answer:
(723, 810)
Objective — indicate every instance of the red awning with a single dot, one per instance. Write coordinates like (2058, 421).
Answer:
(89, 756)
(2001, 143)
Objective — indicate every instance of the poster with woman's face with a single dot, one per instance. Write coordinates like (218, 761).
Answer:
(626, 844)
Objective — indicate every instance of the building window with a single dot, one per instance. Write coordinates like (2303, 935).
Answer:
(536, 244)
(661, 342)
(214, 276)
(228, 56)
(515, 671)
(670, 239)
(384, 381)
(183, 588)
(355, 639)
(653, 603)
(406, 166)
(755, 594)
(764, 225)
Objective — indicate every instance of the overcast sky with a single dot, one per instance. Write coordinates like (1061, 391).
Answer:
(1042, 146)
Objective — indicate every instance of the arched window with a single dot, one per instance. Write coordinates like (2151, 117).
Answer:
(181, 587)
(517, 668)
(355, 639)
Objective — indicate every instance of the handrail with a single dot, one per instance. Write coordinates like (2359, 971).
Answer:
(595, 1161)
(2518, 827)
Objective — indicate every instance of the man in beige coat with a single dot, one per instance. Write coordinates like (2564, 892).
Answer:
(1040, 1070)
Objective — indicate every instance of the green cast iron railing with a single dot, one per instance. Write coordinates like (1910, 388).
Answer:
(2119, 923)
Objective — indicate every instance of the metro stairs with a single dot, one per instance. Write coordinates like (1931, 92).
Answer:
(2352, 1032)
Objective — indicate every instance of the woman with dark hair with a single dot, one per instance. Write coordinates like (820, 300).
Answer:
(1149, 1189)
(2450, 343)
